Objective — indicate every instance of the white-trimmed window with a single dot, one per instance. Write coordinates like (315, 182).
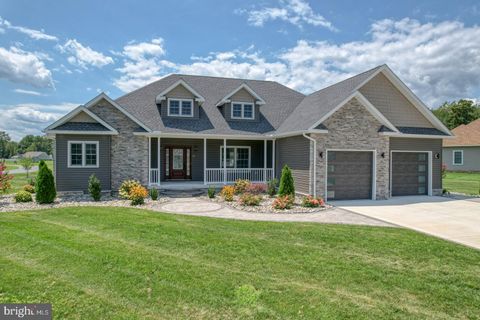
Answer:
(180, 107)
(243, 110)
(237, 157)
(457, 157)
(83, 154)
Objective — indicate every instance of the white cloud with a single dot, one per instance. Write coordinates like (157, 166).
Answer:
(439, 61)
(32, 33)
(296, 12)
(29, 92)
(29, 118)
(21, 66)
(142, 64)
(84, 56)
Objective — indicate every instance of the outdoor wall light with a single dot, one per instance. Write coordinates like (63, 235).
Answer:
(437, 155)
(320, 154)
(383, 155)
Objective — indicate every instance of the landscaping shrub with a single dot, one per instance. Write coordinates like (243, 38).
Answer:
(94, 188)
(23, 196)
(256, 188)
(4, 178)
(249, 199)
(272, 187)
(211, 192)
(286, 182)
(29, 188)
(126, 187)
(45, 185)
(154, 194)
(138, 195)
(240, 185)
(283, 202)
(228, 192)
(312, 202)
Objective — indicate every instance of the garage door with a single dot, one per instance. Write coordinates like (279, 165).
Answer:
(349, 175)
(409, 173)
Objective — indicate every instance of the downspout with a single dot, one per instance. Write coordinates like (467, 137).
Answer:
(314, 163)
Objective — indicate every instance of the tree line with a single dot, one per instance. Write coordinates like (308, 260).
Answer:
(9, 148)
(456, 113)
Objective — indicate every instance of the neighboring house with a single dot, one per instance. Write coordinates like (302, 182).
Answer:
(366, 137)
(36, 155)
(462, 153)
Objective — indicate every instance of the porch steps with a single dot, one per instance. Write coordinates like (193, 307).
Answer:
(183, 193)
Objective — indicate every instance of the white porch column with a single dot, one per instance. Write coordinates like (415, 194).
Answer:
(273, 158)
(149, 160)
(265, 160)
(224, 161)
(159, 145)
(204, 161)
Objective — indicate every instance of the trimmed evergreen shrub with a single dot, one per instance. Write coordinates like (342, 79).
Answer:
(45, 185)
(287, 186)
(94, 187)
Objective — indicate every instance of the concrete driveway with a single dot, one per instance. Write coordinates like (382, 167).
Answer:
(456, 220)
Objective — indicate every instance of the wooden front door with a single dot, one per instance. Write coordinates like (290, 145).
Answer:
(178, 162)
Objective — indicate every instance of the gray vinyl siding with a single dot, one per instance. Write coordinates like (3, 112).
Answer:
(256, 152)
(471, 158)
(76, 179)
(197, 155)
(433, 145)
(180, 93)
(294, 152)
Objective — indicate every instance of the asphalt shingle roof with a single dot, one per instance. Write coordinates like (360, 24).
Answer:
(82, 126)
(316, 105)
(280, 103)
(465, 135)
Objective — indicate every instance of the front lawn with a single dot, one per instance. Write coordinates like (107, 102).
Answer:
(20, 179)
(111, 263)
(462, 182)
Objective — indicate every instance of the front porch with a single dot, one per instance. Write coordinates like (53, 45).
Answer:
(178, 163)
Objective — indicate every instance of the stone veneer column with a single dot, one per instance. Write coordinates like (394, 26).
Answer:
(129, 153)
(354, 127)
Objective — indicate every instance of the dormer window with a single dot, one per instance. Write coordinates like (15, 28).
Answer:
(180, 107)
(242, 110)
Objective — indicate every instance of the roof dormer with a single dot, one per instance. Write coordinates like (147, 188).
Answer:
(180, 90)
(240, 94)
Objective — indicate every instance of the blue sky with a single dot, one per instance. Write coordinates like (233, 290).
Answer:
(55, 55)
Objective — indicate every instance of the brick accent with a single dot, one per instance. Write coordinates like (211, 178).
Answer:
(129, 153)
(353, 127)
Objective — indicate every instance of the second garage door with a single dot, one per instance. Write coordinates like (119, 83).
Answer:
(409, 173)
(349, 175)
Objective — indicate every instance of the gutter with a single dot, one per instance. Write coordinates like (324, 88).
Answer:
(314, 163)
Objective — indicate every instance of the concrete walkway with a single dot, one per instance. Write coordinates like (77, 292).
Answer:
(456, 220)
(200, 207)
(21, 170)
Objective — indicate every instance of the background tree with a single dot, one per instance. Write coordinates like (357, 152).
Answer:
(456, 113)
(35, 143)
(7, 146)
(26, 163)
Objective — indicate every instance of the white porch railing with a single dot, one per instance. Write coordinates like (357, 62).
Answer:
(216, 175)
(154, 177)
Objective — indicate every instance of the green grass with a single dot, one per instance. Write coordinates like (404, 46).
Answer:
(463, 182)
(122, 263)
(20, 179)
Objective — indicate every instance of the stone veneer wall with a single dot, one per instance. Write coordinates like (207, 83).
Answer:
(354, 127)
(129, 153)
